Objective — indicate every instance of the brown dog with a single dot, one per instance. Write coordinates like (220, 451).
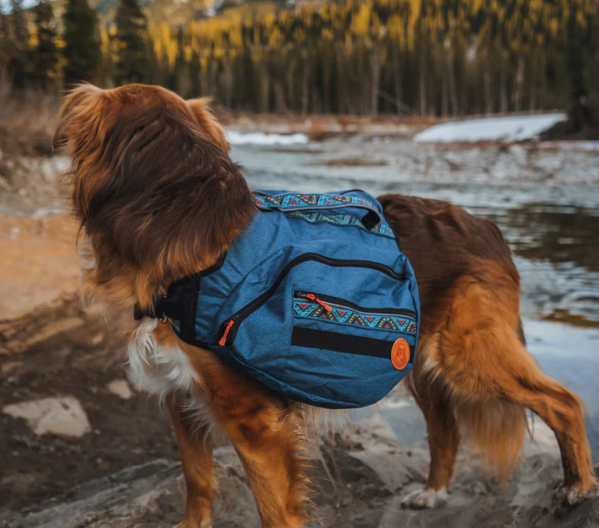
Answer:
(159, 198)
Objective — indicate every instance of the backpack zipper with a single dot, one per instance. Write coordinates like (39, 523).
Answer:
(228, 329)
(313, 297)
(342, 303)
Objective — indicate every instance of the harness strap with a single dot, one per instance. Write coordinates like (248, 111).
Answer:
(166, 307)
(173, 305)
(290, 202)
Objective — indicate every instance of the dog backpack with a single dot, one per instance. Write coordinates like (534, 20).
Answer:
(314, 300)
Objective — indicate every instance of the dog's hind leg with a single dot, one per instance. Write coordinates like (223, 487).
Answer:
(493, 378)
(524, 384)
(195, 449)
(443, 440)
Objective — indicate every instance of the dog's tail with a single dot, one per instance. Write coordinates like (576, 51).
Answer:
(495, 430)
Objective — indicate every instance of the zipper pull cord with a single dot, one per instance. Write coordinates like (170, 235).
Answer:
(223, 339)
(313, 297)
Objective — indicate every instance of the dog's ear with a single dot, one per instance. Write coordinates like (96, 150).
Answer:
(79, 109)
(201, 110)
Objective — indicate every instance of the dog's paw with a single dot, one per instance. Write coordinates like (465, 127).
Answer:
(425, 499)
(565, 497)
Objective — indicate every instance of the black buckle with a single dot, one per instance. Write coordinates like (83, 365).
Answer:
(164, 308)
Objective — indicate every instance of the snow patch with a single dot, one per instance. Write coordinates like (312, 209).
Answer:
(236, 137)
(511, 128)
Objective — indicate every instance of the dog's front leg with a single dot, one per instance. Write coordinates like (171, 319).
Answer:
(266, 435)
(195, 449)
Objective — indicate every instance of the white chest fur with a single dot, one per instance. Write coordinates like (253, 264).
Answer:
(158, 369)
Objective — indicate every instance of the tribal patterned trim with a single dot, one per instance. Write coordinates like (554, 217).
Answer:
(310, 201)
(343, 220)
(347, 316)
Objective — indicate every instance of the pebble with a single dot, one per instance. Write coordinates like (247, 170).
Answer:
(120, 388)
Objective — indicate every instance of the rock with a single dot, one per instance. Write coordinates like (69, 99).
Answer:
(59, 416)
(519, 155)
(392, 468)
(120, 388)
(502, 168)
(550, 163)
(380, 451)
(454, 161)
(150, 495)
(364, 465)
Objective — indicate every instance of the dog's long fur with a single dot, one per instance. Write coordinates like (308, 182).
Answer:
(158, 198)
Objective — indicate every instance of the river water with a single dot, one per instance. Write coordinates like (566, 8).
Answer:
(552, 228)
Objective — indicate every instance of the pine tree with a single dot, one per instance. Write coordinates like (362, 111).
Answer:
(17, 67)
(45, 57)
(5, 44)
(131, 43)
(82, 48)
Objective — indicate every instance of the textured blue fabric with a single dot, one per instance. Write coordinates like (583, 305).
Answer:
(322, 266)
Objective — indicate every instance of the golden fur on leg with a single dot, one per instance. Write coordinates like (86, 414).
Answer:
(265, 430)
(195, 450)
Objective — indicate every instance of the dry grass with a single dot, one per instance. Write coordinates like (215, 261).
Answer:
(27, 122)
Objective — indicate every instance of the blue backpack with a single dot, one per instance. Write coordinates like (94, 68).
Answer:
(314, 300)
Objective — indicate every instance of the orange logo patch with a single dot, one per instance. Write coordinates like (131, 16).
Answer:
(400, 354)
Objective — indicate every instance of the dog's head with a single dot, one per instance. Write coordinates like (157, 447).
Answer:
(152, 184)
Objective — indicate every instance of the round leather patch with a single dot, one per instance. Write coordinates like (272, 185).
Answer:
(400, 354)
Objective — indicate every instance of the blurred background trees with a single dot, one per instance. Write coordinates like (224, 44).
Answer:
(80, 49)
(130, 44)
(45, 54)
(370, 57)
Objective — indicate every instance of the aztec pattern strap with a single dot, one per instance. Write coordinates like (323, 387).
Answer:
(348, 316)
(297, 202)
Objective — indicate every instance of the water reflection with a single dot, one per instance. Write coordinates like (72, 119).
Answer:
(555, 233)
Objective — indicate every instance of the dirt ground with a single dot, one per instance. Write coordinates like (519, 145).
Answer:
(80, 362)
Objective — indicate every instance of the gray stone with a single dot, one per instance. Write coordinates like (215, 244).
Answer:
(62, 416)
(365, 464)
(150, 495)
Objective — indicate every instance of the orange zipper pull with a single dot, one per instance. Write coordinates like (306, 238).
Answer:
(313, 297)
(223, 339)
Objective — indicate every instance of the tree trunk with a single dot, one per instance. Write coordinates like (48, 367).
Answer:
(376, 77)
(519, 85)
(422, 84)
(453, 91)
(305, 85)
(397, 78)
